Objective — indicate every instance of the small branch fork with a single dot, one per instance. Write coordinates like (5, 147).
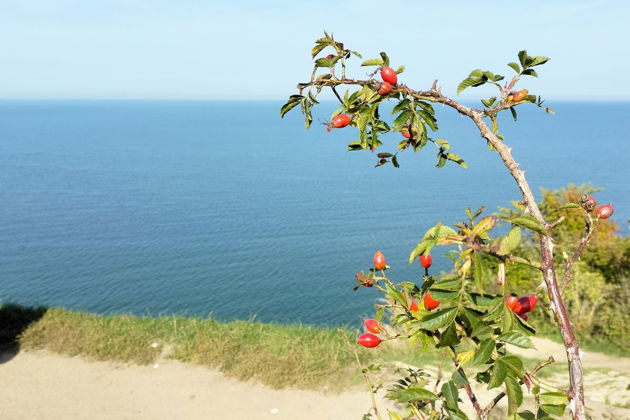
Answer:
(576, 394)
(589, 229)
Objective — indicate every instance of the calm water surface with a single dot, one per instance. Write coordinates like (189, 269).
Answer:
(224, 208)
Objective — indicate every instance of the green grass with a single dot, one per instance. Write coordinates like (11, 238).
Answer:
(296, 356)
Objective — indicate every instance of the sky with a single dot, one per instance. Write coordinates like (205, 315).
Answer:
(238, 49)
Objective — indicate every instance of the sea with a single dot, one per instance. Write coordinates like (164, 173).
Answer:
(223, 209)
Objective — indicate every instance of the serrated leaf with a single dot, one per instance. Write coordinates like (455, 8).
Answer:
(457, 159)
(483, 353)
(456, 414)
(497, 375)
(293, 101)
(528, 222)
(431, 238)
(510, 241)
(469, 82)
(372, 62)
(478, 271)
(514, 365)
(412, 394)
(537, 61)
(569, 206)
(438, 319)
(514, 393)
(465, 357)
(449, 336)
(530, 72)
(556, 410)
(517, 339)
(553, 398)
(459, 379)
(515, 67)
(394, 416)
(450, 395)
(522, 57)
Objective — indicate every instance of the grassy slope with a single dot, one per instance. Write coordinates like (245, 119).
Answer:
(279, 356)
(296, 356)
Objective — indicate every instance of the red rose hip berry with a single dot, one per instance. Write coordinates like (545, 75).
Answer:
(385, 89)
(369, 340)
(520, 95)
(379, 261)
(372, 326)
(526, 304)
(429, 302)
(389, 75)
(605, 211)
(341, 121)
(425, 260)
(511, 302)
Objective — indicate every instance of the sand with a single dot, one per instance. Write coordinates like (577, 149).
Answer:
(41, 385)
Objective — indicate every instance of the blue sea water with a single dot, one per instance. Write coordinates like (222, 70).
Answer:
(222, 208)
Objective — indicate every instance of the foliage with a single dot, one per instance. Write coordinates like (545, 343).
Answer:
(473, 320)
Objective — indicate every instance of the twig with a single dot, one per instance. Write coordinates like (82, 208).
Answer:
(589, 229)
(471, 395)
(365, 376)
(500, 396)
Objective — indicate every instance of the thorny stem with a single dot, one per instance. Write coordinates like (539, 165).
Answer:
(365, 376)
(576, 394)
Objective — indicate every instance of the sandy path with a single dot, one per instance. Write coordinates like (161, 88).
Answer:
(40, 385)
(37, 385)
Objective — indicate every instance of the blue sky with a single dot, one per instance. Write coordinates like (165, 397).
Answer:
(193, 49)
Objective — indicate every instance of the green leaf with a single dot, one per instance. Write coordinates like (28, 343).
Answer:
(528, 222)
(394, 416)
(412, 394)
(400, 69)
(510, 241)
(450, 394)
(395, 162)
(293, 101)
(556, 410)
(456, 414)
(537, 61)
(373, 62)
(513, 364)
(438, 319)
(459, 379)
(514, 393)
(526, 415)
(478, 271)
(569, 206)
(449, 336)
(517, 339)
(553, 398)
(431, 238)
(457, 159)
(530, 72)
(522, 57)
(498, 375)
(515, 67)
(513, 112)
(385, 59)
(469, 82)
(484, 351)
